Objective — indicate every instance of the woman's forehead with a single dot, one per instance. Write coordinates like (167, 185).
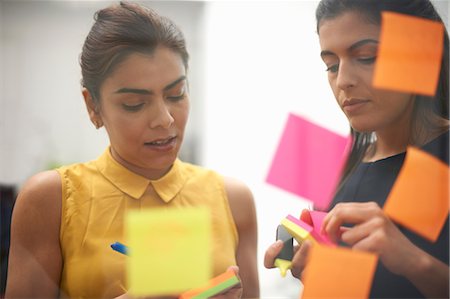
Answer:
(154, 72)
(346, 29)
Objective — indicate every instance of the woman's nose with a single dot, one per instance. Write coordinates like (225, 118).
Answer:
(161, 116)
(346, 77)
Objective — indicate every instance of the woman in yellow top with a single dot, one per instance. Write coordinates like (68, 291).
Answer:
(134, 66)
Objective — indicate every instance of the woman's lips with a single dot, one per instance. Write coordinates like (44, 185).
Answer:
(353, 105)
(166, 144)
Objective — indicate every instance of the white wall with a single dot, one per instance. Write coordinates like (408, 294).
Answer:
(262, 63)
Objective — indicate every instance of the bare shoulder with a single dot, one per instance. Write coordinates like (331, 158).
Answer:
(40, 195)
(35, 259)
(238, 193)
(241, 201)
(43, 181)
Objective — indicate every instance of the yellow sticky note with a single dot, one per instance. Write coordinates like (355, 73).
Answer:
(409, 54)
(300, 231)
(170, 250)
(337, 272)
(419, 199)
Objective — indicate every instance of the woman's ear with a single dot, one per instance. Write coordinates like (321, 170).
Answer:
(92, 108)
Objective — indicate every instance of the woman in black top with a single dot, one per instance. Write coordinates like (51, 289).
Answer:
(383, 124)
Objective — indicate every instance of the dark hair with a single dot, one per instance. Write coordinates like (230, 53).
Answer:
(430, 114)
(120, 30)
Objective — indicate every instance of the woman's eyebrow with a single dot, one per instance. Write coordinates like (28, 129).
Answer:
(356, 45)
(362, 43)
(134, 90)
(325, 53)
(174, 83)
(149, 91)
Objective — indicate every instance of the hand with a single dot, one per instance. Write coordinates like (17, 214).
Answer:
(373, 231)
(235, 291)
(300, 251)
(231, 293)
(128, 296)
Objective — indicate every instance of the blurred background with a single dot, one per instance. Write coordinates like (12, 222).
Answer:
(251, 64)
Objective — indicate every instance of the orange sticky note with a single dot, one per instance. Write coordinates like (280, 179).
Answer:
(337, 272)
(419, 199)
(215, 286)
(409, 54)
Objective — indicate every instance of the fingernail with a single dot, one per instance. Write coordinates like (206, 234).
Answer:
(278, 244)
(308, 243)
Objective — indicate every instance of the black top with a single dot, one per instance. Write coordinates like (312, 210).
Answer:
(373, 181)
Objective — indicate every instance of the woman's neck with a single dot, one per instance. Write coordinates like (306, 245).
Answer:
(388, 145)
(393, 143)
(149, 173)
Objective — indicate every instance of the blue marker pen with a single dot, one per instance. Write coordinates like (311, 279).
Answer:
(119, 247)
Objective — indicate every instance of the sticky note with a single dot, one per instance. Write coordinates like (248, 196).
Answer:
(409, 54)
(419, 199)
(215, 286)
(171, 250)
(301, 230)
(308, 161)
(337, 272)
(298, 229)
(317, 218)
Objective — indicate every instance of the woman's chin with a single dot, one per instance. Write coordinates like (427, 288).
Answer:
(361, 128)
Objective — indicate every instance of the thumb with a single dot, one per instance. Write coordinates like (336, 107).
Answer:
(234, 268)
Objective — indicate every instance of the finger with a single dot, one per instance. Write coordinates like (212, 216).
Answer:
(234, 268)
(352, 213)
(271, 254)
(234, 291)
(371, 243)
(355, 234)
(342, 230)
(300, 259)
(306, 217)
(230, 293)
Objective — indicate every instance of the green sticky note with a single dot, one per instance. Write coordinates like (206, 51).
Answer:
(170, 250)
(221, 287)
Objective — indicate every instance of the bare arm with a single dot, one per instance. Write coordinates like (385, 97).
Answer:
(35, 260)
(244, 214)
(429, 275)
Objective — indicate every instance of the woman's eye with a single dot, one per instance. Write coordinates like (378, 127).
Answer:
(132, 108)
(333, 68)
(176, 98)
(367, 60)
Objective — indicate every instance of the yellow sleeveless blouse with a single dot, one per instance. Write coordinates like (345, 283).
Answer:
(95, 198)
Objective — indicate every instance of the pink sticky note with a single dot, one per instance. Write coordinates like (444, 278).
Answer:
(308, 228)
(311, 231)
(317, 219)
(308, 161)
